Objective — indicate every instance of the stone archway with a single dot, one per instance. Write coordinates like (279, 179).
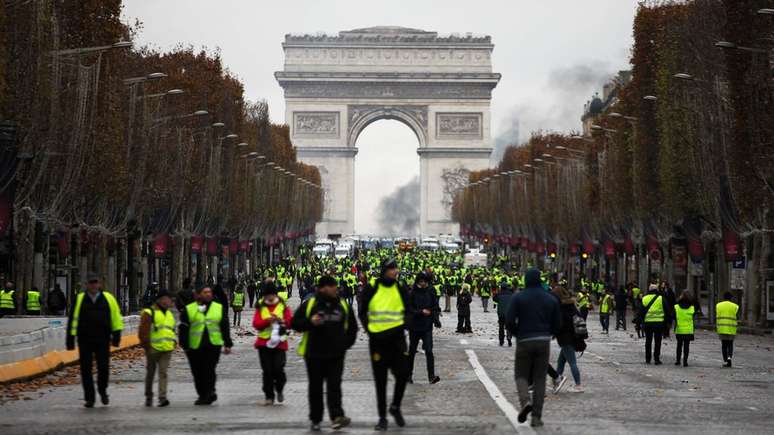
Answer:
(440, 86)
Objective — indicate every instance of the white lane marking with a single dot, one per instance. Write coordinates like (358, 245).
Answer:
(510, 412)
(463, 341)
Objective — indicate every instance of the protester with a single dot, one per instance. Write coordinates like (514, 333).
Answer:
(271, 320)
(329, 327)
(424, 308)
(158, 339)
(684, 313)
(464, 299)
(566, 338)
(726, 315)
(652, 318)
(534, 317)
(502, 298)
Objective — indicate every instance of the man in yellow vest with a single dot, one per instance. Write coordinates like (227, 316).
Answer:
(8, 299)
(652, 317)
(204, 332)
(96, 322)
(157, 336)
(726, 315)
(329, 328)
(584, 302)
(606, 306)
(32, 304)
(238, 304)
(383, 315)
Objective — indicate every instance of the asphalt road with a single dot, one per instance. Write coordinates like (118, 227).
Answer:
(476, 395)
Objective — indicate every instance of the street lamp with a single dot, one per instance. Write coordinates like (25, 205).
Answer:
(726, 45)
(650, 98)
(151, 76)
(85, 50)
(766, 11)
(619, 115)
(218, 125)
(242, 144)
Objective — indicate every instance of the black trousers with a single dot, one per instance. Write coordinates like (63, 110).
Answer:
(463, 321)
(328, 371)
(427, 346)
(503, 332)
(273, 367)
(584, 312)
(203, 362)
(620, 319)
(88, 352)
(727, 348)
(683, 347)
(389, 355)
(653, 333)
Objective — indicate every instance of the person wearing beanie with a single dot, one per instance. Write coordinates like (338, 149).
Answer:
(329, 329)
(158, 339)
(534, 317)
(271, 320)
(423, 304)
(384, 315)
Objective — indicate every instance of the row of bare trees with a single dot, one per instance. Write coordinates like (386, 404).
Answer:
(682, 161)
(114, 146)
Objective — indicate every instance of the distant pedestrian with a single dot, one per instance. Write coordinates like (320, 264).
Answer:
(621, 299)
(464, 299)
(329, 328)
(96, 323)
(652, 317)
(606, 306)
(238, 304)
(534, 317)
(726, 317)
(8, 299)
(502, 298)
(684, 314)
(56, 301)
(204, 333)
(32, 302)
(584, 302)
(158, 339)
(566, 338)
(271, 320)
(185, 296)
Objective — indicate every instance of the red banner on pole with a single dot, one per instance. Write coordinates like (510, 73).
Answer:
(244, 245)
(628, 246)
(609, 248)
(160, 244)
(197, 243)
(732, 245)
(212, 246)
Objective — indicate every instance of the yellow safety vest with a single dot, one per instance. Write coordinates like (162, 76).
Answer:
(684, 319)
(6, 299)
(116, 320)
(279, 310)
(309, 307)
(604, 307)
(162, 335)
(201, 321)
(726, 312)
(583, 300)
(656, 312)
(239, 300)
(33, 301)
(385, 310)
(283, 295)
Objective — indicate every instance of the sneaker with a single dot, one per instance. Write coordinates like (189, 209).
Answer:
(213, 398)
(201, 402)
(685, 363)
(89, 404)
(340, 422)
(315, 427)
(104, 398)
(536, 421)
(728, 362)
(435, 380)
(577, 389)
(396, 414)
(525, 410)
(658, 363)
(381, 426)
(267, 402)
(149, 402)
(163, 403)
(510, 344)
(559, 383)
(677, 363)
(280, 397)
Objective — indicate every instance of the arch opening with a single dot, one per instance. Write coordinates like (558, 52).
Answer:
(386, 178)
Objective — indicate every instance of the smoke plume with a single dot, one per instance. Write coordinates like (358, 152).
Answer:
(399, 211)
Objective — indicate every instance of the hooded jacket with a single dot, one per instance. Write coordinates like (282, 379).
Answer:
(533, 313)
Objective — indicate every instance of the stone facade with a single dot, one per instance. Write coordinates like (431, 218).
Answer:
(441, 87)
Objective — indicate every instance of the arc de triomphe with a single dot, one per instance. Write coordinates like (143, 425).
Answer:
(440, 87)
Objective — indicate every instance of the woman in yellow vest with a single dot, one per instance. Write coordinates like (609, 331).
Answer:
(158, 338)
(271, 320)
(204, 332)
(684, 312)
(726, 315)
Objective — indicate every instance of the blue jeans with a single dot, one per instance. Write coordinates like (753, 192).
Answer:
(567, 355)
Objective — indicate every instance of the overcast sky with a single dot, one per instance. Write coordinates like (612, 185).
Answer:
(553, 55)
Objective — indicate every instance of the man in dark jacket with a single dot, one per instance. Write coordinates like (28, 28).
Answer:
(95, 321)
(463, 309)
(533, 316)
(55, 302)
(424, 308)
(185, 296)
(502, 298)
(329, 328)
(384, 315)
(621, 298)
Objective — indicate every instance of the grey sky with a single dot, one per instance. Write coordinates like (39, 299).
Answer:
(553, 55)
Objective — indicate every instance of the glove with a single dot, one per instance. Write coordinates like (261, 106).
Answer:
(437, 323)
(116, 339)
(70, 342)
